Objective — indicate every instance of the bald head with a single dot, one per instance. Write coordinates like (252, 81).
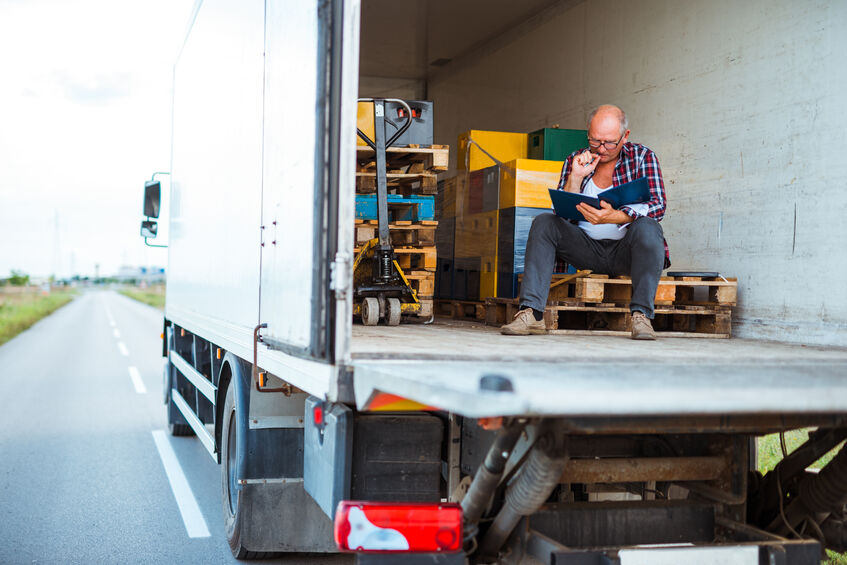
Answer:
(603, 116)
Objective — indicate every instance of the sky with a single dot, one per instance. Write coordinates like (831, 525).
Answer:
(85, 116)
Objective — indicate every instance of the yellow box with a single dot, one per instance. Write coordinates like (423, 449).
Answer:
(476, 235)
(488, 278)
(503, 145)
(524, 182)
(365, 121)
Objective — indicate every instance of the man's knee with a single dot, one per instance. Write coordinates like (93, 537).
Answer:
(647, 231)
(545, 220)
(544, 224)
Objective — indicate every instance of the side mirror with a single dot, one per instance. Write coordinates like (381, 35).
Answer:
(149, 229)
(152, 197)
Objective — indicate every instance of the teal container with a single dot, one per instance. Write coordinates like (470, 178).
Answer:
(552, 144)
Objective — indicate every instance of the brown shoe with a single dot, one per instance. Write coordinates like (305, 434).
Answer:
(524, 323)
(641, 326)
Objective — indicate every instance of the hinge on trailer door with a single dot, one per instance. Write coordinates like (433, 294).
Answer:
(339, 276)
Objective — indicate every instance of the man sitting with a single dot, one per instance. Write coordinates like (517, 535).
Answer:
(628, 241)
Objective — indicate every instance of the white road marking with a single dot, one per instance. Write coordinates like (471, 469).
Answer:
(123, 349)
(111, 319)
(117, 333)
(136, 381)
(193, 519)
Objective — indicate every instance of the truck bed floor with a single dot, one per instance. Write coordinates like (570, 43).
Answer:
(443, 364)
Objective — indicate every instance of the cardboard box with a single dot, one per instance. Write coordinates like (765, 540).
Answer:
(525, 183)
(476, 235)
(445, 199)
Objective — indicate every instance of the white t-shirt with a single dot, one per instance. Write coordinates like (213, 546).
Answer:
(607, 231)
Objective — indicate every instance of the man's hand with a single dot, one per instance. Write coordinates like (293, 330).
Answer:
(584, 164)
(606, 215)
(581, 166)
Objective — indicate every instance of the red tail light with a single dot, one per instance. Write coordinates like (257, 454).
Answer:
(411, 527)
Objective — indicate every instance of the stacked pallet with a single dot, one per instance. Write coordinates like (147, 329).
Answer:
(587, 304)
(410, 170)
(411, 175)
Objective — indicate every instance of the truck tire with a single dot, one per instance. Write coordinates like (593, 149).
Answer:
(233, 506)
(177, 426)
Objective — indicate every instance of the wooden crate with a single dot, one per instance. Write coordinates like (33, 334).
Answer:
(403, 233)
(460, 309)
(709, 321)
(687, 291)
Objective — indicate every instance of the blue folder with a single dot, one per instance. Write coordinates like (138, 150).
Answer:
(633, 192)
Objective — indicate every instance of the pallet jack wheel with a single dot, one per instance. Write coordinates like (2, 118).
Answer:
(370, 311)
(392, 314)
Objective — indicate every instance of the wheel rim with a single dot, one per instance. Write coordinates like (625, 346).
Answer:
(230, 463)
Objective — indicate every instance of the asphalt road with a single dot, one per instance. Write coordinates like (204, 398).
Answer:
(82, 479)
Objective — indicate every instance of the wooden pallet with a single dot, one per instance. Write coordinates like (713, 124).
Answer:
(707, 321)
(413, 258)
(401, 208)
(587, 288)
(399, 182)
(412, 159)
(460, 309)
(423, 283)
(401, 233)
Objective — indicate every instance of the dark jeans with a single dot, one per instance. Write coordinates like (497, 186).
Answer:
(640, 254)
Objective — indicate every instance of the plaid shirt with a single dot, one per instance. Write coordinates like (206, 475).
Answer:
(635, 161)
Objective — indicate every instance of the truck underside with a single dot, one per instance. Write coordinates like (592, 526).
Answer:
(657, 455)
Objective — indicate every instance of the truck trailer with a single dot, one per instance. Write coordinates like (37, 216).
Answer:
(447, 442)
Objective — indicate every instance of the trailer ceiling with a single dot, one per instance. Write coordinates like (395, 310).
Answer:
(412, 39)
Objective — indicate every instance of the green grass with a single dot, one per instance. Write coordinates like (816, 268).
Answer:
(770, 453)
(20, 310)
(152, 296)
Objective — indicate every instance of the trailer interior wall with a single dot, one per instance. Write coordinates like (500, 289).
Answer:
(742, 102)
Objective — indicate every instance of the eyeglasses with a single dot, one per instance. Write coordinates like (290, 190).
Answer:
(596, 143)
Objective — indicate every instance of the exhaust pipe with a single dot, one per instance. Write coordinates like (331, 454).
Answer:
(487, 478)
(529, 490)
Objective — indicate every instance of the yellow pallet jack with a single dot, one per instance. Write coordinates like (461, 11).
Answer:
(380, 289)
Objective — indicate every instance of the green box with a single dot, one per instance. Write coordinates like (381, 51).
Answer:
(552, 144)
